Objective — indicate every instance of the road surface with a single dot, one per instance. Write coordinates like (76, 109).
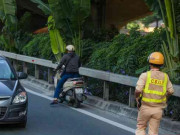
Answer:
(61, 119)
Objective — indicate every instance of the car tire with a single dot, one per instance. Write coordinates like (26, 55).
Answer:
(23, 125)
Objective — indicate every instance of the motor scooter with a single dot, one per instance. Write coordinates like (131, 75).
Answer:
(73, 92)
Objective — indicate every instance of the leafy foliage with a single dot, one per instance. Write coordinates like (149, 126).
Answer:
(21, 39)
(7, 42)
(177, 15)
(8, 11)
(87, 45)
(14, 42)
(57, 43)
(168, 10)
(100, 35)
(150, 19)
(133, 25)
(43, 6)
(126, 52)
(24, 24)
(39, 46)
(173, 108)
(9, 20)
(69, 17)
(154, 6)
(171, 47)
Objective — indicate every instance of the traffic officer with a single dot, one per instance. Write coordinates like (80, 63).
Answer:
(153, 87)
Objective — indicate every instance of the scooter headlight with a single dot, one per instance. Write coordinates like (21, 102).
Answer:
(20, 98)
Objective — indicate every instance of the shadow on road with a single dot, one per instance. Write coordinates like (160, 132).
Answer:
(67, 105)
(7, 127)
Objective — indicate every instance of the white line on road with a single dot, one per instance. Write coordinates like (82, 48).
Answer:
(89, 114)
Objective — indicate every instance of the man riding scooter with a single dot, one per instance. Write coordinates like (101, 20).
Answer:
(71, 61)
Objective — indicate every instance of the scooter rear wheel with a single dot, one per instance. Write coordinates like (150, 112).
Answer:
(76, 104)
(61, 100)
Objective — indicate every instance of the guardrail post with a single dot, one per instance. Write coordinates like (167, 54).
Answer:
(37, 71)
(15, 64)
(106, 91)
(50, 80)
(131, 98)
(25, 69)
(85, 81)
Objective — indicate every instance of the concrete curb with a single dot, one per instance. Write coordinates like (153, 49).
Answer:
(39, 84)
(110, 106)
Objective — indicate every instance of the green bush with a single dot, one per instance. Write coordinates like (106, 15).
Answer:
(21, 40)
(126, 52)
(173, 108)
(24, 23)
(14, 42)
(39, 47)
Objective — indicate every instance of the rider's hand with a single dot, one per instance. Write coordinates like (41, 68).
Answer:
(55, 70)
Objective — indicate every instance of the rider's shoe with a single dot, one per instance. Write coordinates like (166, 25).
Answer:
(54, 102)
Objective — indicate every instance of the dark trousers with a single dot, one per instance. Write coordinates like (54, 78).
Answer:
(62, 81)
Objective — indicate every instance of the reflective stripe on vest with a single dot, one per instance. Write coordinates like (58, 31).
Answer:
(154, 100)
(157, 82)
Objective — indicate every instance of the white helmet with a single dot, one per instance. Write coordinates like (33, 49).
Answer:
(70, 48)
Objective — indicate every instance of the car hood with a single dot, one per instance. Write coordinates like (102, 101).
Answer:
(7, 87)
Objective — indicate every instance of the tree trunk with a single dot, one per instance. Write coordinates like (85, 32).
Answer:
(157, 23)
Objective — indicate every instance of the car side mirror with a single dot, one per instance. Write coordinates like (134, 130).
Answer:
(22, 75)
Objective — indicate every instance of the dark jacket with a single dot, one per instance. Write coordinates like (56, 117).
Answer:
(73, 65)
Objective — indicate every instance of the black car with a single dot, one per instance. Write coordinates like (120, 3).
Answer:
(13, 97)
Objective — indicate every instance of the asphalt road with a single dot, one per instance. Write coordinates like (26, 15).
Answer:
(60, 120)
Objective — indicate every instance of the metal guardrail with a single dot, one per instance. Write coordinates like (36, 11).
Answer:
(117, 78)
(108, 76)
(36, 61)
(102, 75)
(32, 60)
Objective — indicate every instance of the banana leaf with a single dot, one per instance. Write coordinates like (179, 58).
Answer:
(170, 64)
(170, 17)
(69, 16)
(8, 11)
(43, 6)
(57, 43)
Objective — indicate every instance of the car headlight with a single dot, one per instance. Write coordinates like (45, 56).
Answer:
(20, 98)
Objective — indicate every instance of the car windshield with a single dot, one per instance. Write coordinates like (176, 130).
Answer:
(5, 71)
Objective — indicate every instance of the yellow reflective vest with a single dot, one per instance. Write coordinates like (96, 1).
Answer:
(148, 93)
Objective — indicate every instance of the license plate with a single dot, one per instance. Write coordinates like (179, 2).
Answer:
(79, 90)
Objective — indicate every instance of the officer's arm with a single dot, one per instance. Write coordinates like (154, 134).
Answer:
(139, 88)
(140, 85)
(138, 100)
(170, 89)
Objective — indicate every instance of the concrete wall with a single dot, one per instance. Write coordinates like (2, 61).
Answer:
(117, 13)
